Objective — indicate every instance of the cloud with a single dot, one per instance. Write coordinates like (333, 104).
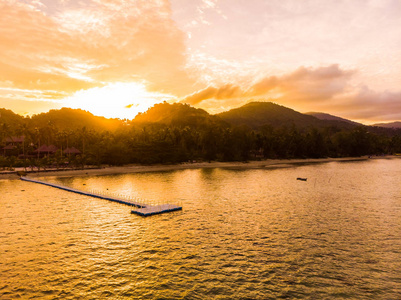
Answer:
(30, 46)
(367, 104)
(84, 44)
(304, 84)
(264, 86)
(327, 89)
(13, 93)
(275, 37)
(53, 49)
(225, 92)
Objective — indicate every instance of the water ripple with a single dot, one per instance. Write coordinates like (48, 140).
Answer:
(243, 234)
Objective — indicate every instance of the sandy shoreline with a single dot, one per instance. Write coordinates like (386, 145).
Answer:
(263, 164)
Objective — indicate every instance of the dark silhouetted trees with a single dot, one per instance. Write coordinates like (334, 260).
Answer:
(178, 133)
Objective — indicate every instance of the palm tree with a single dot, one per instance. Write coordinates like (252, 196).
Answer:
(23, 131)
(37, 135)
(83, 133)
(6, 133)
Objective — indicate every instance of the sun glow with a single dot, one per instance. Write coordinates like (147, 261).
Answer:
(116, 100)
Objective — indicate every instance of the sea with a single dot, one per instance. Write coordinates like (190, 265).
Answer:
(242, 234)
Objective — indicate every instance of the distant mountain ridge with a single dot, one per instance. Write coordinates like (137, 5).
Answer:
(257, 114)
(389, 125)
(324, 116)
(254, 115)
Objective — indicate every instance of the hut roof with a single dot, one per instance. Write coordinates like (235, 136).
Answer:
(72, 150)
(9, 147)
(15, 139)
(52, 148)
(46, 149)
(42, 148)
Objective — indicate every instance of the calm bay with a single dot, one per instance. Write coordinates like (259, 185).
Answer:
(242, 234)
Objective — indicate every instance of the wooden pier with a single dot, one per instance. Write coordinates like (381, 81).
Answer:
(141, 209)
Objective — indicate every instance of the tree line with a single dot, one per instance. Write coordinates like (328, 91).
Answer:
(151, 143)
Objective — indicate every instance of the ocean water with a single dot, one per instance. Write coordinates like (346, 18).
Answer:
(242, 234)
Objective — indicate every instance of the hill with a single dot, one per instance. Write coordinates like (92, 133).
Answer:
(388, 125)
(70, 119)
(177, 114)
(10, 120)
(328, 117)
(257, 114)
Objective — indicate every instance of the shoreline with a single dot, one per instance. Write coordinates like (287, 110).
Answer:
(262, 164)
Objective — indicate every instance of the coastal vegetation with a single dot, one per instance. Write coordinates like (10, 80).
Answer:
(173, 133)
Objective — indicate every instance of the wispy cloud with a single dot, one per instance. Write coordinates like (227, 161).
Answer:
(336, 56)
(304, 84)
(370, 105)
(90, 43)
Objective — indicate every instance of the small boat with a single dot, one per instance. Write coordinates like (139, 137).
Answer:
(302, 179)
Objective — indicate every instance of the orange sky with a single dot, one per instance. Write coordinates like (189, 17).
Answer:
(116, 58)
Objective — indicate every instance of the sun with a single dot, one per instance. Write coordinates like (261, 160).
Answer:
(116, 100)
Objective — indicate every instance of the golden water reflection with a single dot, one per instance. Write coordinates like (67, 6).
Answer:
(256, 234)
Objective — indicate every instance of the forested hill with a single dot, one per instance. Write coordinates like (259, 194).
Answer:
(389, 125)
(170, 133)
(324, 116)
(9, 121)
(258, 114)
(253, 115)
(71, 119)
(179, 115)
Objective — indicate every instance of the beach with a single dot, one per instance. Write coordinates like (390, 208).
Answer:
(134, 168)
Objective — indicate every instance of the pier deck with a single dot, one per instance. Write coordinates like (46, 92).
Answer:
(141, 209)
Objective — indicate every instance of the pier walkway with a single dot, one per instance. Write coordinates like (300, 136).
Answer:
(141, 209)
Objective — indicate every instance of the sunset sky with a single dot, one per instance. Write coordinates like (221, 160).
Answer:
(116, 58)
